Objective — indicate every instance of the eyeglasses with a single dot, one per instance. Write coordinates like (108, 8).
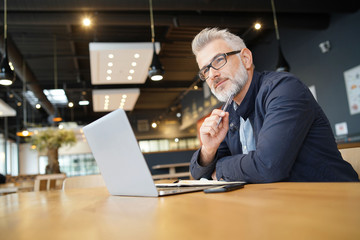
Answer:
(218, 62)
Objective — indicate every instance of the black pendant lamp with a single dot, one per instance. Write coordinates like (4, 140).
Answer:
(156, 70)
(24, 132)
(282, 65)
(7, 76)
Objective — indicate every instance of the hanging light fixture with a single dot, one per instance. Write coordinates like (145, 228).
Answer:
(56, 117)
(7, 76)
(24, 132)
(156, 70)
(282, 65)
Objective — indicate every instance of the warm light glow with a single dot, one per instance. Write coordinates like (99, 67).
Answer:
(33, 147)
(11, 66)
(136, 55)
(108, 78)
(131, 71)
(111, 55)
(86, 22)
(257, 26)
(133, 64)
(109, 71)
(70, 104)
(124, 96)
(24, 133)
(38, 106)
(130, 78)
(110, 64)
(176, 140)
(196, 87)
(154, 125)
(57, 119)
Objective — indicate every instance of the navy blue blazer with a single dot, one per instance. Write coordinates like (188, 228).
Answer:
(294, 140)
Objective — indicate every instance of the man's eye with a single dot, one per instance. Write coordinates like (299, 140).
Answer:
(205, 71)
(219, 60)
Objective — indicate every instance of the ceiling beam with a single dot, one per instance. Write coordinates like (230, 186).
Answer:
(24, 72)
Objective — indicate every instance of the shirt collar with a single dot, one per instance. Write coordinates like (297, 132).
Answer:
(248, 104)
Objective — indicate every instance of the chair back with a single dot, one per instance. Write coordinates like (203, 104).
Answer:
(352, 155)
(88, 181)
(49, 182)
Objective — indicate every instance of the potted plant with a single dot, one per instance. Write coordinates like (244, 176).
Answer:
(51, 139)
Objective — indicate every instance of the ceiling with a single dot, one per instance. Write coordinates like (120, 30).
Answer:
(44, 32)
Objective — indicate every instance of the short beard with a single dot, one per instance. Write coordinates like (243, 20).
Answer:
(237, 84)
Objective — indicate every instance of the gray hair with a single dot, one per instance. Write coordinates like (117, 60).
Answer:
(210, 34)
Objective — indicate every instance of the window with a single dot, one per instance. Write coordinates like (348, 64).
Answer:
(168, 144)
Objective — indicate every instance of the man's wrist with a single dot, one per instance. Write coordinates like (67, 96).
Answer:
(206, 156)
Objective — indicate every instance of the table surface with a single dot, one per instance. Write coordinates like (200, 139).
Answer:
(258, 211)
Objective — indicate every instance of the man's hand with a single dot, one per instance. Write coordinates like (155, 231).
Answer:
(213, 175)
(212, 135)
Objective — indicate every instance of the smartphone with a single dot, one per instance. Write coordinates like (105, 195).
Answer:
(225, 188)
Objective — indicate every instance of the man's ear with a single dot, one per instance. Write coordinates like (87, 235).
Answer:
(246, 57)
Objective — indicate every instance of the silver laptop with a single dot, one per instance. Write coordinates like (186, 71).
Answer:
(120, 160)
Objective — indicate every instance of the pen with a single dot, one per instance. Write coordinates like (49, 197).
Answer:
(225, 107)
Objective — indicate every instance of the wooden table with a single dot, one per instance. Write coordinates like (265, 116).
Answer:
(259, 211)
(7, 188)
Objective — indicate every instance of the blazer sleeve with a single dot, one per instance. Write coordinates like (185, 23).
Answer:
(198, 171)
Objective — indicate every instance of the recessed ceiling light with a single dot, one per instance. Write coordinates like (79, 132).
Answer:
(38, 106)
(136, 55)
(257, 26)
(110, 64)
(70, 104)
(111, 55)
(109, 71)
(130, 78)
(131, 71)
(133, 64)
(115, 97)
(108, 78)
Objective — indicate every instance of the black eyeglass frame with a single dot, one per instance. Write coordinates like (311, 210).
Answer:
(201, 76)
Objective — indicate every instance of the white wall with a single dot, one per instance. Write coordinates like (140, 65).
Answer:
(28, 160)
(81, 147)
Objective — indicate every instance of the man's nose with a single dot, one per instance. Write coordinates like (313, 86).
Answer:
(213, 73)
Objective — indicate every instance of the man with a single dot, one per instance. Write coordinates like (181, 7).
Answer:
(273, 130)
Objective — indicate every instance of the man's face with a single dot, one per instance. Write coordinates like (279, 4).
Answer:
(228, 80)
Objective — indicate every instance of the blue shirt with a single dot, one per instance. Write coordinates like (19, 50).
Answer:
(293, 137)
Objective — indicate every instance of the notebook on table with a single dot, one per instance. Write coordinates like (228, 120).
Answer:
(122, 163)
